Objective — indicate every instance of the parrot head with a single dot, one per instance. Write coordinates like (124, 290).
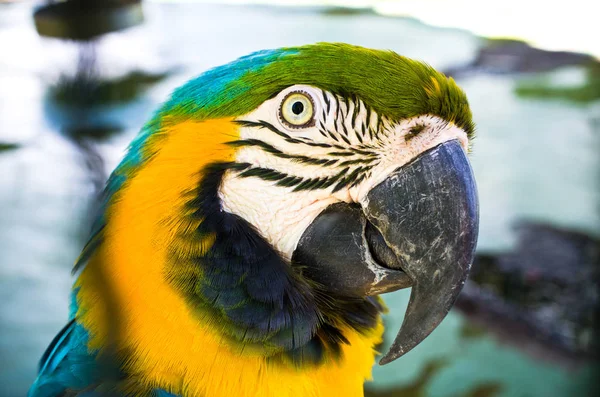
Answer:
(271, 200)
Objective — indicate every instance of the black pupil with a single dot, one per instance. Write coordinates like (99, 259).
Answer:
(297, 108)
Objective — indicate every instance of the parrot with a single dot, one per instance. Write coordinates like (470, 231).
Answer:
(243, 242)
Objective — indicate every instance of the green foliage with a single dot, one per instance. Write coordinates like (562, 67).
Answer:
(470, 330)
(7, 146)
(491, 42)
(419, 387)
(541, 88)
(341, 11)
(87, 89)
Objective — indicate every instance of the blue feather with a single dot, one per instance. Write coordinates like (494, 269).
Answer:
(200, 97)
(67, 363)
(162, 393)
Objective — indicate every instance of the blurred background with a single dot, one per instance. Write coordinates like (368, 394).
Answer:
(79, 78)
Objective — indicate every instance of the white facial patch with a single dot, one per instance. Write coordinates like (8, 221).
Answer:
(278, 215)
(295, 169)
(399, 145)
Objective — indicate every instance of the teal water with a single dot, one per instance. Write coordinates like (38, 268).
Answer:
(533, 159)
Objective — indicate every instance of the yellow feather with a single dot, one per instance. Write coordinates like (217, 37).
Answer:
(126, 303)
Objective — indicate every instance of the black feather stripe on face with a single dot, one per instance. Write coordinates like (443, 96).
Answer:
(338, 160)
(254, 297)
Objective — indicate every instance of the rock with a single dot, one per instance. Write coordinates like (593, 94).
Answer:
(514, 56)
(543, 296)
(86, 19)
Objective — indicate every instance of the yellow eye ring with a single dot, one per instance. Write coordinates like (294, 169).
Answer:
(297, 110)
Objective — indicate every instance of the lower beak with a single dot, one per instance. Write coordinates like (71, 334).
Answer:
(418, 228)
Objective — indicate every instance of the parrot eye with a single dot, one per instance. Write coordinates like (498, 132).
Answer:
(297, 110)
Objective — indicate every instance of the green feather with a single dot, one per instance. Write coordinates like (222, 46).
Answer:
(394, 86)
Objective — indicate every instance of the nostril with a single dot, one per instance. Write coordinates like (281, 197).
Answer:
(414, 131)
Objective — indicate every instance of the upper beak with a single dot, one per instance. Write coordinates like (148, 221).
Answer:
(418, 228)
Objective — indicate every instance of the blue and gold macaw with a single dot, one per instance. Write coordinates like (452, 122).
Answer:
(247, 234)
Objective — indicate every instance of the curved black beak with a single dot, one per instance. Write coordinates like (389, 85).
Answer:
(427, 212)
(418, 228)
